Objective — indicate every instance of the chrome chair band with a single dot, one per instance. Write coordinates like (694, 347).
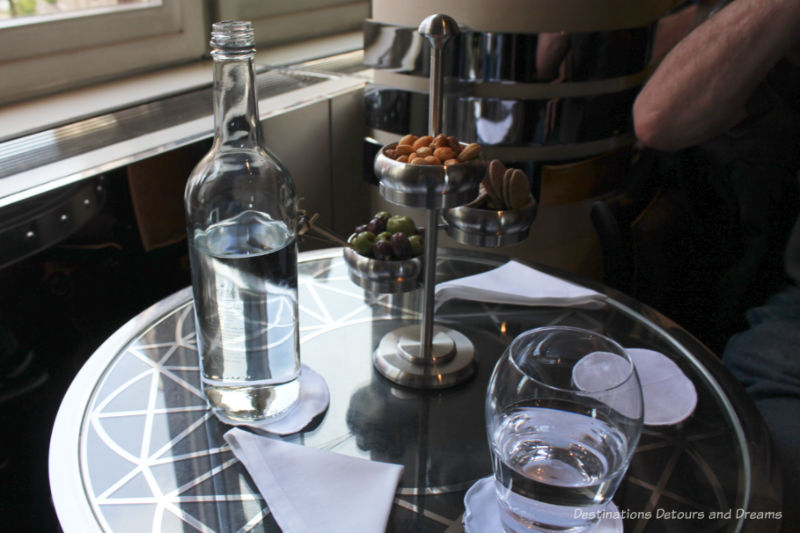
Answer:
(546, 57)
(505, 123)
(528, 16)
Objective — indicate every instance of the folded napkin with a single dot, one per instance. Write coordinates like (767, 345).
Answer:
(517, 284)
(669, 396)
(314, 399)
(310, 490)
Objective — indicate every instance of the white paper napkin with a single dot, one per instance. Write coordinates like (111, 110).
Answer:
(517, 284)
(669, 396)
(314, 399)
(316, 491)
(482, 513)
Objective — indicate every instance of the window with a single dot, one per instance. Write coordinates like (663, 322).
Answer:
(47, 47)
(278, 21)
(43, 54)
(13, 9)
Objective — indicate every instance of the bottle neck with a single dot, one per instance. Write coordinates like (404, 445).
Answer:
(235, 104)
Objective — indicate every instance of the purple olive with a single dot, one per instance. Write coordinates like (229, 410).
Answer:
(421, 231)
(377, 225)
(360, 228)
(382, 250)
(401, 246)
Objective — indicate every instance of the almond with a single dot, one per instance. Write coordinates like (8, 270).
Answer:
(425, 140)
(404, 149)
(439, 141)
(471, 151)
(444, 153)
(408, 139)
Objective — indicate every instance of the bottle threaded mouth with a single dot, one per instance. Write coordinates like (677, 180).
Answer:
(233, 36)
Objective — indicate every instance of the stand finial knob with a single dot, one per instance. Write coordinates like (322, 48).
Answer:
(438, 28)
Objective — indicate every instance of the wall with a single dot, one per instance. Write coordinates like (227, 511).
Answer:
(319, 142)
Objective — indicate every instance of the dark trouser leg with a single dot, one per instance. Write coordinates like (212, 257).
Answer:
(766, 359)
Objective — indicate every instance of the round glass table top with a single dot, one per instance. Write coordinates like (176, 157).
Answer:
(135, 448)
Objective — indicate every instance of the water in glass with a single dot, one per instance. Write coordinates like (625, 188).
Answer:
(550, 462)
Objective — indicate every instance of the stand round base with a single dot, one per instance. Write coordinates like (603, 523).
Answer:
(398, 358)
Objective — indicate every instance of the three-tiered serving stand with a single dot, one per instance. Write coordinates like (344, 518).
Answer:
(431, 356)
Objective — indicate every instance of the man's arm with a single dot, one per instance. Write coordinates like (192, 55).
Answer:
(671, 29)
(702, 86)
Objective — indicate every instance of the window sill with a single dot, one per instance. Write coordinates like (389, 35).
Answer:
(67, 138)
(44, 113)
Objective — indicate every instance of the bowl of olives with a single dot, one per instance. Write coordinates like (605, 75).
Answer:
(384, 255)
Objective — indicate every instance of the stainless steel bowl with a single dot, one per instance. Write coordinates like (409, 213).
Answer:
(427, 186)
(487, 228)
(383, 276)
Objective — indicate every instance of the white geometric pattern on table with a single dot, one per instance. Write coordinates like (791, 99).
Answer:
(131, 397)
(152, 456)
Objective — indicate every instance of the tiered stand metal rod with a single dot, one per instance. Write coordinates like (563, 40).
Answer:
(437, 29)
(428, 356)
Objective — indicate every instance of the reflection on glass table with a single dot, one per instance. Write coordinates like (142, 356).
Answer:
(135, 448)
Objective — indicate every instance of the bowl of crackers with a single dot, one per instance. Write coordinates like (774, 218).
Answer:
(502, 213)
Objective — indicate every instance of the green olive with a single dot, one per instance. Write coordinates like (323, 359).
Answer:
(363, 242)
(401, 223)
(417, 245)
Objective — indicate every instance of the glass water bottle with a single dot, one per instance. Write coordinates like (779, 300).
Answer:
(241, 212)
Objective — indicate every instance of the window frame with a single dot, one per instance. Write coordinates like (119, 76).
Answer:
(96, 45)
(282, 21)
(78, 51)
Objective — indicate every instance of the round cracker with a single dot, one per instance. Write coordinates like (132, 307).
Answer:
(504, 186)
(517, 190)
(496, 171)
(479, 201)
(494, 195)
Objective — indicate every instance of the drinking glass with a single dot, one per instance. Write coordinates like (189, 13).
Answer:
(563, 415)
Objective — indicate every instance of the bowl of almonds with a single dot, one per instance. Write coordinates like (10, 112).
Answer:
(501, 214)
(429, 172)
